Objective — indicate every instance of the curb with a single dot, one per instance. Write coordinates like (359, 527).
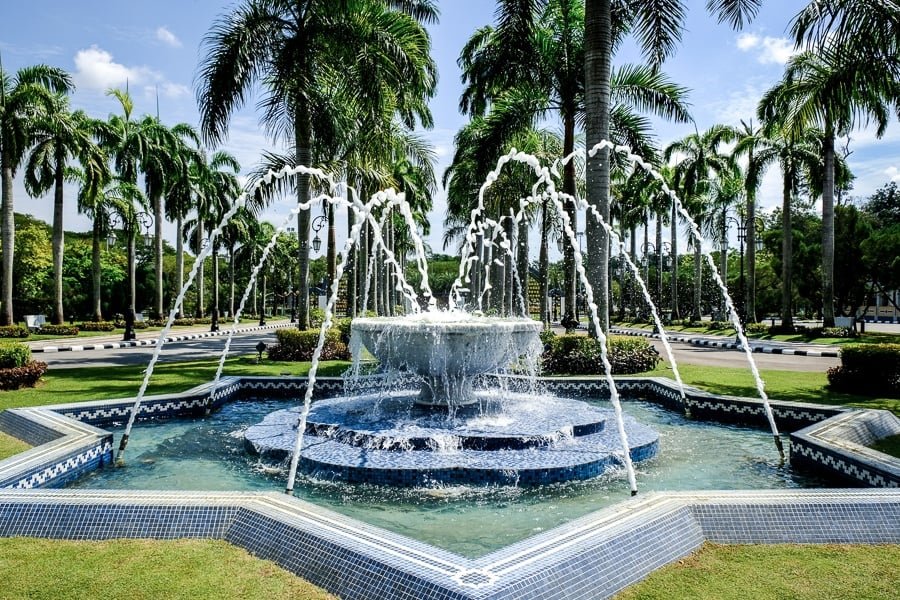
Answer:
(153, 341)
(730, 345)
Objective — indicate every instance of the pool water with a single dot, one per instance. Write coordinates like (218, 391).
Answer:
(208, 454)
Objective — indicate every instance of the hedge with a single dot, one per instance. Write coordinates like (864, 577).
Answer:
(295, 345)
(14, 355)
(97, 326)
(580, 355)
(870, 369)
(58, 330)
(24, 376)
(13, 331)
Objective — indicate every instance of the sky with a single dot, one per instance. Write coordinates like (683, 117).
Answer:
(155, 48)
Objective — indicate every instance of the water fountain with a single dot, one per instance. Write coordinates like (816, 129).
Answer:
(445, 409)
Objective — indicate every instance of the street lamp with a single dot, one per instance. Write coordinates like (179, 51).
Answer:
(317, 224)
(144, 221)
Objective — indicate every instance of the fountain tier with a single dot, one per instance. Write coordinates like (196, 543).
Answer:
(524, 439)
(447, 349)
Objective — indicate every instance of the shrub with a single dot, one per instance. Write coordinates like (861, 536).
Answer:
(14, 355)
(58, 330)
(13, 331)
(343, 326)
(837, 332)
(871, 369)
(156, 322)
(141, 324)
(718, 325)
(295, 345)
(184, 322)
(756, 328)
(547, 336)
(203, 321)
(316, 316)
(25, 376)
(580, 355)
(97, 326)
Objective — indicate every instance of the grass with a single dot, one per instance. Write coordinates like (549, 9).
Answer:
(866, 338)
(137, 569)
(10, 446)
(889, 445)
(91, 383)
(769, 572)
(798, 386)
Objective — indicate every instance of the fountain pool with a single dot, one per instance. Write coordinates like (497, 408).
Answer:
(208, 454)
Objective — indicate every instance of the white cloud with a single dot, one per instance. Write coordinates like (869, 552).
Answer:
(167, 37)
(96, 69)
(167, 89)
(769, 50)
(893, 173)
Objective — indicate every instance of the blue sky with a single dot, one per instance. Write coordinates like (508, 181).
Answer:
(156, 45)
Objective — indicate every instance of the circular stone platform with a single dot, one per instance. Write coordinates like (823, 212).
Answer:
(527, 440)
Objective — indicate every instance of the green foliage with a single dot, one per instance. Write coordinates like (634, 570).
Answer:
(13, 354)
(58, 330)
(756, 328)
(97, 326)
(13, 331)
(296, 345)
(718, 325)
(27, 375)
(343, 326)
(316, 316)
(580, 355)
(872, 369)
(547, 336)
(835, 332)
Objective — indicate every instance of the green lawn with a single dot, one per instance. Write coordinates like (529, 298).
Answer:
(91, 383)
(889, 445)
(770, 572)
(10, 445)
(799, 386)
(138, 569)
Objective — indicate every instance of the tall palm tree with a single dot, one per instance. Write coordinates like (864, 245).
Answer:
(749, 138)
(657, 25)
(23, 96)
(61, 135)
(835, 91)
(292, 46)
(701, 159)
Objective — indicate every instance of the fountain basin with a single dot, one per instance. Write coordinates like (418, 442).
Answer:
(524, 440)
(447, 349)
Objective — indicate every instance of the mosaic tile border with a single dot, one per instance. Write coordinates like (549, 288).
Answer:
(594, 556)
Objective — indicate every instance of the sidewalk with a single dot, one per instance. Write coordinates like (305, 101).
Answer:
(729, 343)
(149, 338)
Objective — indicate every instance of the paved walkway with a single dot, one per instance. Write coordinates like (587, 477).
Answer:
(729, 343)
(148, 338)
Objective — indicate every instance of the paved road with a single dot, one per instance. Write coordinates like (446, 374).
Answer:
(243, 343)
(715, 357)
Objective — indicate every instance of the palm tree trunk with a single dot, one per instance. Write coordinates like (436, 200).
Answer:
(659, 261)
(158, 253)
(215, 283)
(58, 240)
(723, 258)
(674, 282)
(828, 232)
(179, 259)
(7, 241)
(787, 253)
(302, 142)
(598, 58)
(231, 282)
(96, 232)
(131, 309)
(750, 290)
(351, 267)
(571, 278)
(544, 264)
(332, 244)
(697, 314)
(201, 281)
(522, 265)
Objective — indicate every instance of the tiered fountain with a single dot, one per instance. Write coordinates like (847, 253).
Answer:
(448, 407)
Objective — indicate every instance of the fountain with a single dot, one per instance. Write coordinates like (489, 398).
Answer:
(445, 409)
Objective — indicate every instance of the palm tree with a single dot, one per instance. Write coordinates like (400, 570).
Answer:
(657, 25)
(298, 50)
(22, 97)
(59, 136)
(749, 138)
(836, 91)
(700, 161)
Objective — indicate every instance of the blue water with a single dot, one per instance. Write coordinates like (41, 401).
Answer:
(209, 454)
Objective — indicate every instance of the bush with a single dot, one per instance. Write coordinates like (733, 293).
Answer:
(203, 321)
(343, 326)
(316, 316)
(718, 325)
(580, 355)
(871, 369)
(837, 332)
(141, 324)
(97, 326)
(184, 322)
(14, 355)
(25, 376)
(756, 328)
(547, 336)
(295, 345)
(58, 330)
(13, 331)
(156, 322)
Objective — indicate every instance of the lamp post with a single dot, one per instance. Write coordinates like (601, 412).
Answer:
(317, 225)
(144, 221)
(664, 259)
